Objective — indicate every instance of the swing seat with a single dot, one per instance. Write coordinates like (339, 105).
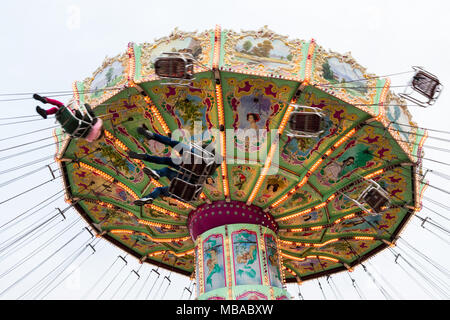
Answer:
(424, 84)
(305, 122)
(376, 198)
(175, 65)
(184, 191)
(200, 162)
(78, 125)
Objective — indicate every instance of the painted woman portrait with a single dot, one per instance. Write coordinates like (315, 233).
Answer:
(252, 119)
(211, 186)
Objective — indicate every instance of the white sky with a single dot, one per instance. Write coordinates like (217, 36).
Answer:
(45, 48)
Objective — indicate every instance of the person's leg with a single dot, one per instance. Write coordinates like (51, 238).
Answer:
(157, 192)
(157, 174)
(163, 139)
(154, 159)
(51, 110)
(167, 172)
(43, 112)
(54, 102)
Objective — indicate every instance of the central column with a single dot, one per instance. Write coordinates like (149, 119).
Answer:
(236, 253)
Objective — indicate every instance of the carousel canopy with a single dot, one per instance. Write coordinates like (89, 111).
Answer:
(336, 197)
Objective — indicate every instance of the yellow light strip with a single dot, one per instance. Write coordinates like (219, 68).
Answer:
(364, 238)
(280, 265)
(221, 116)
(325, 243)
(345, 138)
(262, 247)
(350, 216)
(320, 206)
(219, 99)
(290, 271)
(288, 256)
(105, 204)
(216, 59)
(308, 67)
(117, 231)
(285, 119)
(99, 172)
(200, 261)
(327, 258)
(315, 245)
(116, 141)
(131, 65)
(228, 262)
(223, 167)
(220, 112)
(124, 231)
(131, 192)
(181, 254)
(158, 115)
(155, 224)
(272, 151)
(162, 210)
(374, 174)
(263, 174)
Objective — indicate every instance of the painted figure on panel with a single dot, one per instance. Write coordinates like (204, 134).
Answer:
(247, 268)
(214, 266)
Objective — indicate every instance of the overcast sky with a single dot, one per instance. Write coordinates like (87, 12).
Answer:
(46, 45)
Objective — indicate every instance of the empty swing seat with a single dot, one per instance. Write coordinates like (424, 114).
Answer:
(423, 84)
(426, 84)
(174, 66)
(376, 199)
(306, 122)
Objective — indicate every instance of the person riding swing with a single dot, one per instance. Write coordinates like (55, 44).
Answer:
(73, 122)
(173, 170)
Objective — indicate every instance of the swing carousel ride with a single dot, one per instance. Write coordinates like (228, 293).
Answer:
(330, 181)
